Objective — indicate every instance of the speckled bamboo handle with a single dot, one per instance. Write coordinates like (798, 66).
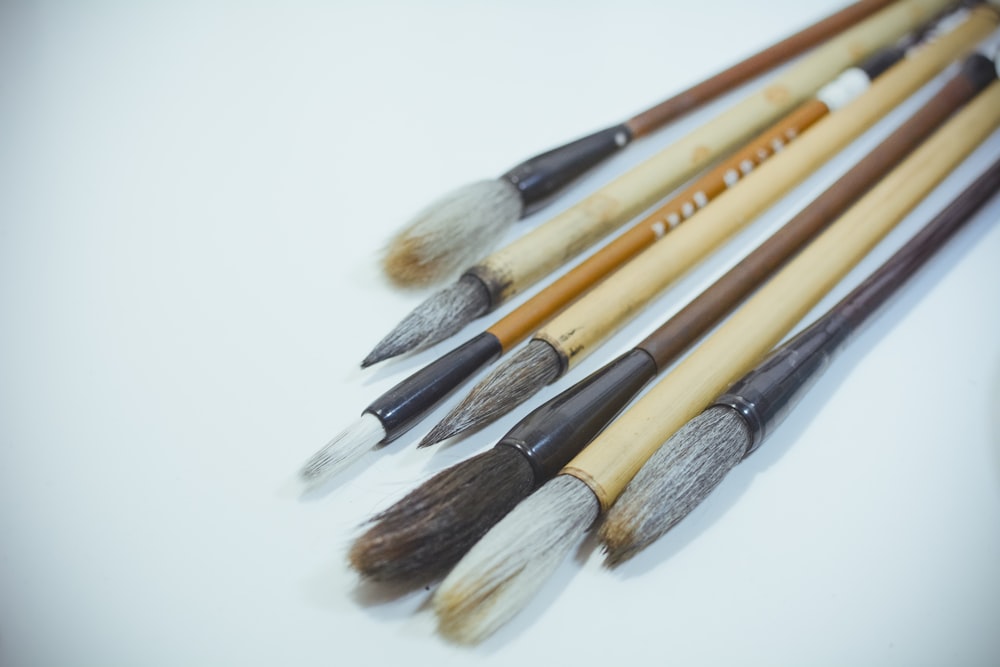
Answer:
(614, 457)
(518, 265)
(579, 329)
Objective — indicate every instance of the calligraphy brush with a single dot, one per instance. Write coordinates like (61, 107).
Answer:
(572, 335)
(697, 458)
(503, 570)
(422, 535)
(399, 409)
(461, 226)
(498, 277)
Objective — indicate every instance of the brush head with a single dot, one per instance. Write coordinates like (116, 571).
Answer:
(423, 535)
(504, 569)
(510, 384)
(452, 233)
(673, 481)
(438, 317)
(343, 450)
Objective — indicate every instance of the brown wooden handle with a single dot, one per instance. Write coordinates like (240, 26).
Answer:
(771, 57)
(521, 322)
(511, 269)
(614, 457)
(581, 328)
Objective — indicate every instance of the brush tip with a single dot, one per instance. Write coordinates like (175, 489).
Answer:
(422, 535)
(503, 389)
(442, 314)
(675, 480)
(342, 451)
(451, 233)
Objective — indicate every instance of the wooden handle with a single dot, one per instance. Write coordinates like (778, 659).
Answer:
(581, 327)
(772, 56)
(513, 328)
(666, 344)
(612, 459)
(511, 269)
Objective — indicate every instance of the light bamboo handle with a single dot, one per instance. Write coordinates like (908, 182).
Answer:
(511, 269)
(522, 321)
(614, 457)
(581, 327)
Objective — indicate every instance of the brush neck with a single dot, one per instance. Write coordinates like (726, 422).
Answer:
(765, 395)
(400, 408)
(556, 431)
(540, 178)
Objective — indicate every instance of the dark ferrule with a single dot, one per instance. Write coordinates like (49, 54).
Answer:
(552, 434)
(882, 60)
(405, 404)
(539, 178)
(765, 395)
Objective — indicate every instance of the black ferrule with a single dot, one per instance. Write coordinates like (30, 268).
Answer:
(556, 431)
(402, 406)
(980, 70)
(539, 178)
(765, 395)
(876, 64)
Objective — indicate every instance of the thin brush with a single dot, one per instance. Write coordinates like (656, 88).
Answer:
(462, 226)
(515, 267)
(429, 529)
(573, 334)
(686, 469)
(492, 583)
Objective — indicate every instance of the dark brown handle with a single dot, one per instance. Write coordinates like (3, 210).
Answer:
(670, 340)
(771, 57)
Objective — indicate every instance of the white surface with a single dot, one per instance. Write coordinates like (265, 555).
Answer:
(192, 199)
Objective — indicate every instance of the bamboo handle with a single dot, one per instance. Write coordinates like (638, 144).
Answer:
(580, 328)
(513, 328)
(612, 459)
(651, 119)
(511, 269)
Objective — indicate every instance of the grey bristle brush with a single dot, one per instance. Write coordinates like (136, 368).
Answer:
(505, 568)
(689, 465)
(424, 533)
(504, 273)
(462, 226)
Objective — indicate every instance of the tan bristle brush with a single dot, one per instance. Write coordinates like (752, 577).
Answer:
(508, 271)
(503, 570)
(463, 225)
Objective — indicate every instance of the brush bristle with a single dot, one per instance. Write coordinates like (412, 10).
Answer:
(673, 482)
(452, 233)
(343, 450)
(423, 535)
(509, 385)
(510, 563)
(438, 317)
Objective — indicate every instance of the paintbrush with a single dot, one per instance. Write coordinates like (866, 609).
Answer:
(696, 458)
(461, 226)
(573, 334)
(505, 568)
(422, 535)
(399, 409)
(508, 271)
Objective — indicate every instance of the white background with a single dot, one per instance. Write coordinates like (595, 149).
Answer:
(193, 197)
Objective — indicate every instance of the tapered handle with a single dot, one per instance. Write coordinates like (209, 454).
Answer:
(580, 328)
(511, 269)
(611, 461)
